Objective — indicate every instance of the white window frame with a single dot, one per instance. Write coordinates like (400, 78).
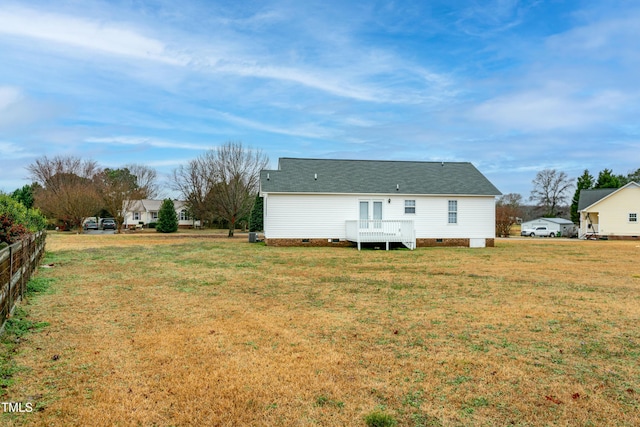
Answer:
(184, 216)
(136, 216)
(410, 206)
(452, 212)
(154, 215)
(633, 217)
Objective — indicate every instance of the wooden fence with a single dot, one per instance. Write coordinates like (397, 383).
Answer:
(17, 263)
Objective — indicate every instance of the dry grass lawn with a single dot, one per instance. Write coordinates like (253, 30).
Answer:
(153, 330)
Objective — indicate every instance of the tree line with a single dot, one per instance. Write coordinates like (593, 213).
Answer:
(221, 185)
(550, 195)
(69, 189)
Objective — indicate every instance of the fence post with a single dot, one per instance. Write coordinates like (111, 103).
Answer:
(10, 281)
(23, 268)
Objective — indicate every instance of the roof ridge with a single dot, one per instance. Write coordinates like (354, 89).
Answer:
(372, 160)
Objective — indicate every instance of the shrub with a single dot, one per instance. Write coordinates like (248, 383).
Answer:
(17, 221)
(11, 232)
(256, 220)
(167, 217)
(380, 419)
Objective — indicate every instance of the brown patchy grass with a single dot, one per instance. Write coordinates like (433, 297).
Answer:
(150, 330)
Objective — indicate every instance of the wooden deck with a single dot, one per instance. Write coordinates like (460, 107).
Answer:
(381, 231)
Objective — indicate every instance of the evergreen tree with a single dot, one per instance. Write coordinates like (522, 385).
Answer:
(256, 220)
(606, 179)
(167, 217)
(25, 194)
(633, 176)
(585, 182)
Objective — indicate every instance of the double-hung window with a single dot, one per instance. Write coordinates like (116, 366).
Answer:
(136, 216)
(633, 218)
(154, 215)
(184, 216)
(453, 212)
(409, 206)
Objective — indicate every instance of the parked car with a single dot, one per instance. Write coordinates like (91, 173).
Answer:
(90, 225)
(108, 224)
(541, 231)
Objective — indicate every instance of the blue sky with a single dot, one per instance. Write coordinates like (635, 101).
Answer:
(512, 86)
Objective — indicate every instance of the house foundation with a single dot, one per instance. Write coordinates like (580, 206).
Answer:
(610, 237)
(307, 242)
(420, 243)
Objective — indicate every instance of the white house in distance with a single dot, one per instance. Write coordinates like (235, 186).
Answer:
(143, 212)
(342, 202)
(557, 226)
(610, 212)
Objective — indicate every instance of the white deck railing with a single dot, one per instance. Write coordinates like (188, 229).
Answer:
(382, 231)
(592, 231)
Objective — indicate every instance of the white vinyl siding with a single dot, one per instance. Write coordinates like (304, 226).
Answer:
(314, 216)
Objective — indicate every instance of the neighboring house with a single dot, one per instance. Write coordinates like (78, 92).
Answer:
(143, 212)
(610, 212)
(340, 202)
(557, 226)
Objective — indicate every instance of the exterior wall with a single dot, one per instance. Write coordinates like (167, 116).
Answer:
(613, 213)
(323, 216)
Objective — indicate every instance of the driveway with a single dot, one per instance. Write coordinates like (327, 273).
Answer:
(100, 232)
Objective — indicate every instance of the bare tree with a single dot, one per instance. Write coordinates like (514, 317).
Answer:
(195, 181)
(222, 183)
(508, 209)
(239, 179)
(550, 191)
(146, 180)
(67, 188)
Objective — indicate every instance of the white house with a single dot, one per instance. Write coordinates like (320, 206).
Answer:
(141, 213)
(610, 212)
(341, 202)
(558, 226)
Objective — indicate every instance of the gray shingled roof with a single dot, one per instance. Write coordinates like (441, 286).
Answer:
(589, 197)
(559, 221)
(375, 177)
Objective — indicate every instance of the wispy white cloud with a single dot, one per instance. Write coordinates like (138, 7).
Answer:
(492, 16)
(85, 33)
(602, 38)
(360, 76)
(145, 141)
(549, 109)
(11, 150)
(17, 109)
(306, 131)
(8, 96)
(153, 163)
